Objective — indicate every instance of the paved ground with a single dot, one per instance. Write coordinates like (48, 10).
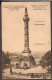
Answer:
(17, 72)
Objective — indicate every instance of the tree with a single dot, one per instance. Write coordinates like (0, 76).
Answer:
(5, 59)
(46, 61)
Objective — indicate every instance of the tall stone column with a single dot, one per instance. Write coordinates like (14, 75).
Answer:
(26, 33)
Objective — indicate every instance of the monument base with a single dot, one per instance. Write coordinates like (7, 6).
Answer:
(27, 61)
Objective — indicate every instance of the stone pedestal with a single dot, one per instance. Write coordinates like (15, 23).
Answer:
(27, 62)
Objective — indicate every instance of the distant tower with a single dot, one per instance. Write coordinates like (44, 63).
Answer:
(26, 51)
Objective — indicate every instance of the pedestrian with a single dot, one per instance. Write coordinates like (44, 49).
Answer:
(11, 69)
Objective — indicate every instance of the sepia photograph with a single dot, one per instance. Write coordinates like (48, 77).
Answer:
(26, 40)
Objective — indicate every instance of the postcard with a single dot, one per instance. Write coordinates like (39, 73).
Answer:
(26, 40)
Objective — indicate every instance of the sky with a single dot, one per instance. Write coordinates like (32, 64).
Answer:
(13, 26)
